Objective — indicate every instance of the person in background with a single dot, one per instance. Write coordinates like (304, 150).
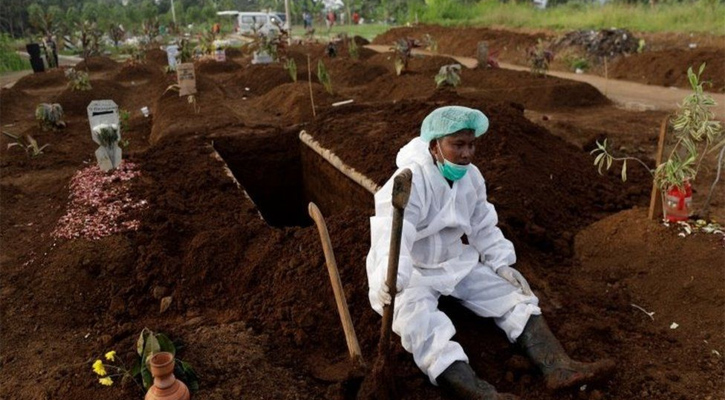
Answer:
(355, 18)
(451, 246)
(330, 20)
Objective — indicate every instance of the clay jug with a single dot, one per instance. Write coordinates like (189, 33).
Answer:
(166, 386)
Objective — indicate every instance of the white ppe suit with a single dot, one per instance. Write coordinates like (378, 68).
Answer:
(434, 261)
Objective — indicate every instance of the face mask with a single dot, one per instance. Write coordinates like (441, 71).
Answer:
(450, 171)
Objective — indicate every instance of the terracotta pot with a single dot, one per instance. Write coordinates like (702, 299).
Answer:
(166, 386)
(676, 203)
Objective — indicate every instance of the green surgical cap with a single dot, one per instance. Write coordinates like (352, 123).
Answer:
(451, 119)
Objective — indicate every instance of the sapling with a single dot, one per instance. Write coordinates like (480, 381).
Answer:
(696, 133)
(28, 144)
(353, 49)
(108, 154)
(449, 75)
(49, 116)
(403, 52)
(79, 80)
(324, 76)
(539, 58)
(291, 67)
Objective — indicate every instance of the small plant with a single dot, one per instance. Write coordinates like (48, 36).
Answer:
(147, 345)
(696, 133)
(353, 49)
(49, 116)
(28, 144)
(403, 50)
(539, 58)
(78, 80)
(641, 45)
(449, 75)
(429, 43)
(107, 134)
(291, 67)
(324, 76)
(124, 116)
(581, 64)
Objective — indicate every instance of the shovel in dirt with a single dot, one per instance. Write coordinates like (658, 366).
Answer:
(381, 384)
(350, 337)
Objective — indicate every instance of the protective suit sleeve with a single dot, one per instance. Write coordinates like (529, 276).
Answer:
(380, 232)
(496, 251)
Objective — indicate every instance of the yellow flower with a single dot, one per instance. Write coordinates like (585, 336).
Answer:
(99, 368)
(107, 381)
(111, 355)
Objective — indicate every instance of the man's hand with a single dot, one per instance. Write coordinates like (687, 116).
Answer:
(515, 278)
(384, 294)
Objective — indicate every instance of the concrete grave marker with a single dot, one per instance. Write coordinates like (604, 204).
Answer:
(186, 78)
(105, 131)
(171, 53)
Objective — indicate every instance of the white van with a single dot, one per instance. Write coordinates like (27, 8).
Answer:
(262, 22)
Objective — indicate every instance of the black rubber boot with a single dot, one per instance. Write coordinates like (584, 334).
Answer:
(460, 381)
(549, 355)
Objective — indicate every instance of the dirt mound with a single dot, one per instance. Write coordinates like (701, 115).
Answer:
(602, 43)
(171, 111)
(16, 104)
(293, 100)
(350, 73)
(157, 56)
(97, 64)
(261, 78)
(75, 102)
(211, 66)
(233, 52)
(669, 67)
(640, 262)
(53, 78)
(134, 71)
(534, 92)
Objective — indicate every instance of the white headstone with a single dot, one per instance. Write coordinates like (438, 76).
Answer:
(104, 113)
(171, 52)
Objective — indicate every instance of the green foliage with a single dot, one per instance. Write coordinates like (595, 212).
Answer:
(107, 134)
(291, 67)
(696, 132)
(449, 75)
(353, 49)
(539, 58)
(28, 144)
(323, 76)
(579, 63)
(149, 343)
(49, 116)
(403, 50)
(9, 59)
(78, 80)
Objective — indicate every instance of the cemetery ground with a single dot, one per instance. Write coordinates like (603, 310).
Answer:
(208, 216)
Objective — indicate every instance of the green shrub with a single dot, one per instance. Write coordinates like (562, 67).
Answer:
(9, 59)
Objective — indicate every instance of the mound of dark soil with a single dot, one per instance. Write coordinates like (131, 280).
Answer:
(97, 64)
(260, 78)
(134, 71)
(293, 100)
(52, 78)
(669, 67)
(233, 52)
(157, 56)
(75, 102)
(211, 66)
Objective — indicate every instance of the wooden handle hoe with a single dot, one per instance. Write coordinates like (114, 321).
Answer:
(381, 385)
(353, 346)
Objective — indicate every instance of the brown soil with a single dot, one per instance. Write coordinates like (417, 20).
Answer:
(664, 61)
(97, 64)
(251, 298)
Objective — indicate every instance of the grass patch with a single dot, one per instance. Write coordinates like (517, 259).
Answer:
(701, 16)
(9, 59)
(368, 31)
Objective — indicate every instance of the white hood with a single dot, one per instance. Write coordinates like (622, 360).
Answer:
(415, 152)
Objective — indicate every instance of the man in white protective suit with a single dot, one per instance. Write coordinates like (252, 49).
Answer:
(448, 201)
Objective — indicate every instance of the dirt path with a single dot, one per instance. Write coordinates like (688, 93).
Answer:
(630, 95)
